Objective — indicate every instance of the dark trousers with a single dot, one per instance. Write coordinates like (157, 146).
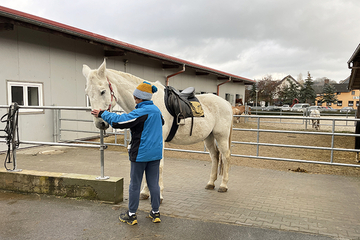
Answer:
(151, 170)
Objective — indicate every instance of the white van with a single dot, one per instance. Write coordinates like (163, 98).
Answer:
(300, 107)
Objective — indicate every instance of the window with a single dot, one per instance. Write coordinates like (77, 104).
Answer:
(357, 103)
(339, 103)
(351, 103)
(352, 92)
(328, 104)
(25, 94)
(229, 97)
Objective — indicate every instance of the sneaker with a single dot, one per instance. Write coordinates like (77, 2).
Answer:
(155, 217)
(131, 220)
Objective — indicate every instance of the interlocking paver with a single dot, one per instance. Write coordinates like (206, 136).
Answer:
(312, 203)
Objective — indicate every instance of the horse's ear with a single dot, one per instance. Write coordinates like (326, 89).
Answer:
(101, 69)
(86, 70)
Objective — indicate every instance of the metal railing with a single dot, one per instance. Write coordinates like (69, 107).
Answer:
(255, 118)
(305, 120)
(57, 133)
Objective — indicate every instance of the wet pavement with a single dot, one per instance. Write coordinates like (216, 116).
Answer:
(260, 203)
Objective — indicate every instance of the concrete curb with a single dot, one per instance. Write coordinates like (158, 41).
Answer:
(63, 184)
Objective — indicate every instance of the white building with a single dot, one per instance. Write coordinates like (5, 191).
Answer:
(41, 65)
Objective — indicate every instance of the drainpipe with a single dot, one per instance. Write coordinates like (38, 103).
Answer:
(218, 86)
(167, 78)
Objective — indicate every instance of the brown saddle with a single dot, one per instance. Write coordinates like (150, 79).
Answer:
(181, 105)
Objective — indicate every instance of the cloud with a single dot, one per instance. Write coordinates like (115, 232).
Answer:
(250, 38)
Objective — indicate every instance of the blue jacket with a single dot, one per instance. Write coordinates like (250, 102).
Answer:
(145, 123)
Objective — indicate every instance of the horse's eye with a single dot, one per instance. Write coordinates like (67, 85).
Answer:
(103, 92)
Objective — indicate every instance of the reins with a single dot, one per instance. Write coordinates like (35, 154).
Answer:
(112, 95)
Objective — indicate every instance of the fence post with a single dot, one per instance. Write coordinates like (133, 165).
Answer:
(332, 141)
(258, 136)
(102, 148)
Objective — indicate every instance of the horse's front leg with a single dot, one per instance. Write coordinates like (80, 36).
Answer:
(145, 192)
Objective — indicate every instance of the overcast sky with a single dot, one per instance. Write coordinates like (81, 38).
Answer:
(249, 38)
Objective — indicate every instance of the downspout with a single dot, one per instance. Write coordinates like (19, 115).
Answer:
(218, 86)
(174, 74)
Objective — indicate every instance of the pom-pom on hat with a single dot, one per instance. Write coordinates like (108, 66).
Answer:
(145, 91)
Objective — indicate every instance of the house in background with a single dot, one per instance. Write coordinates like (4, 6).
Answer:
(281, 85)
(345, 97)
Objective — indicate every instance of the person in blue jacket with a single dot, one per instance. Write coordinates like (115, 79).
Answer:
(145, 149)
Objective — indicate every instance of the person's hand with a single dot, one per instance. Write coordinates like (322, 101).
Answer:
(95, 112)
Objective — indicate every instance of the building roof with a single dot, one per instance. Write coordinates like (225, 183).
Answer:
(341, 87)
(10, 17)
(286, 78)
(354, 65)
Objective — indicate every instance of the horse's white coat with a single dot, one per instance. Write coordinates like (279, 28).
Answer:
(315, 122)
(215, 125)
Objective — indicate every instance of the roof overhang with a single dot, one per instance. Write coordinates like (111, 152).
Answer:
(354, 65)
(112, 47)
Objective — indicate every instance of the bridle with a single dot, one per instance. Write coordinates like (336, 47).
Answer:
(112, 95)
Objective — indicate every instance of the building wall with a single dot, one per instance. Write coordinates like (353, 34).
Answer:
(345, 98)
(56, 62)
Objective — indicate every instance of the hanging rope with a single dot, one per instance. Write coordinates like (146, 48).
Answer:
(12, 134)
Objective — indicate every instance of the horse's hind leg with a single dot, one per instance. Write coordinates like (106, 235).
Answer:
(214, 154)
(224, 148)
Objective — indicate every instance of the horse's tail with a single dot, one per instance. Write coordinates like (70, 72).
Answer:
(220, 161)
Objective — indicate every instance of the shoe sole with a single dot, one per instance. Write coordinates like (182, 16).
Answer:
(130, 223)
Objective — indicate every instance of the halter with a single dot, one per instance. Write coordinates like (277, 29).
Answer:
(112, 95)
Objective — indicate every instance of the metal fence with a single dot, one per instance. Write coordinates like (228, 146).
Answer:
(334, 122)
(258, 119)
(58, 141)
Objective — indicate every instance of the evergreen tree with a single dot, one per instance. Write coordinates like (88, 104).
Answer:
(307, 92)
(328, 94)
(252, 96)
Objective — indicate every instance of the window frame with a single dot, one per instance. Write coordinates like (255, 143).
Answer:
(25, 86)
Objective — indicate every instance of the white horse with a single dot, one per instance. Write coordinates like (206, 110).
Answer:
(106, 87)
(315, 122)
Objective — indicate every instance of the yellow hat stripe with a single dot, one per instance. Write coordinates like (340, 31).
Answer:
(145, 87)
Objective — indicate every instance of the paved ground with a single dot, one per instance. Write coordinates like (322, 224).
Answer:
(260, 203)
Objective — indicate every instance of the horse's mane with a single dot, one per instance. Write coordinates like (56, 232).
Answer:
(135, 79)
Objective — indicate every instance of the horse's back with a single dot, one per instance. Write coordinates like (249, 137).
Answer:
(214, 104)
(315, 113)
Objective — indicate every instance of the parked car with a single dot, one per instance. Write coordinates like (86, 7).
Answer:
(328, 109)
(258, 108)
(285, 107)
(300, 107)
(347, 110)
(271, 108)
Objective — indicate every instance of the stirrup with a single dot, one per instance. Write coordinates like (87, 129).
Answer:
(180, 119)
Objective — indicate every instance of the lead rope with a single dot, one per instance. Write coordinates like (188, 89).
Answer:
(12, 131)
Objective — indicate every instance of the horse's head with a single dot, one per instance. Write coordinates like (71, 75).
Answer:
(99, 91)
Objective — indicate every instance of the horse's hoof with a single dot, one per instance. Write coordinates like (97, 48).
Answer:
(222, 189)
(143, 196)
(210, 187)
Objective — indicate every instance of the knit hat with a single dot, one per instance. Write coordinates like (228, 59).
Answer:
(145, 91)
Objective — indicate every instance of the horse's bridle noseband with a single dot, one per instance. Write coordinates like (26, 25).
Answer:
(112, 95)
